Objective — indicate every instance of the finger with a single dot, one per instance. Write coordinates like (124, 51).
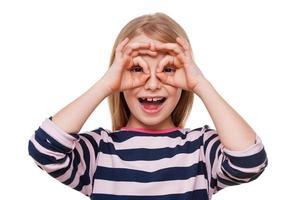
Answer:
(134, 46)
(143, 52)
(186, 46)
(152, 46)
(140, 81)
(141, 62)
(183, 43)
(166, 60)
(176, 61)
(122, 44)
(174, 50)
(169, 47)
(165, 79)
(180, 60)
(149, 52)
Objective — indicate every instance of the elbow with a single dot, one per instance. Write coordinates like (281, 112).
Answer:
(245, 169)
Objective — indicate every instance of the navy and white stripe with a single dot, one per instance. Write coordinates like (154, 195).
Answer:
(182, 164)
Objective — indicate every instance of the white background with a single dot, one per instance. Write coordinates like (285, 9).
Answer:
(53, 51)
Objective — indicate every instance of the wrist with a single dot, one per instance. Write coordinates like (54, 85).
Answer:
(103, 88)
(201, 83)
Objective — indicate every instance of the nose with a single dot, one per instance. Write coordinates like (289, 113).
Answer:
(153, 82)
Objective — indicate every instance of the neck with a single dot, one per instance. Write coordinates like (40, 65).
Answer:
(168, 130)
(136, 124)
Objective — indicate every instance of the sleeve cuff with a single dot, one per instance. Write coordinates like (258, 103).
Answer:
(253, 149)
(66, 139)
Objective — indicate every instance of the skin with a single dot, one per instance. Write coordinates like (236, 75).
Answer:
(234, 132)
(153, 86)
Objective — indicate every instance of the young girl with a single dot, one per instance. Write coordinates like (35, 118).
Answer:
(149, 154)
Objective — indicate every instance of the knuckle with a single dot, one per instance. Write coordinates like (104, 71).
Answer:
(129, 48)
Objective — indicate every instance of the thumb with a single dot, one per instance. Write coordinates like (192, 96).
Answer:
(165, 79)
(140, 81)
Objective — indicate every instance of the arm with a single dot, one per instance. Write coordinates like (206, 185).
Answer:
(233, 153)
(73, 116)
(58, 148)
(227, 167)
(233, 130)
(68, 157)
(188, 76)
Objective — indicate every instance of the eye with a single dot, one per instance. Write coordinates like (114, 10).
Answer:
(169, 69)
(136, 68)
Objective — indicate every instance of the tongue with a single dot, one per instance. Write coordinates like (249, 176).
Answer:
(151, 106)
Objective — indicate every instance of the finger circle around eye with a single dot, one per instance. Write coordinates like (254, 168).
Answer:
(138, 61)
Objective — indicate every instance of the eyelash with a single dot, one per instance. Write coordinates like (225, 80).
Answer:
(171, 68)
(138, 67)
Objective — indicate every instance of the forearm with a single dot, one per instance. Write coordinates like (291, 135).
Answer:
(234, 132)
(72, 117)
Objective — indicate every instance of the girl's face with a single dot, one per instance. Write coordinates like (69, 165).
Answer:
(144, 114)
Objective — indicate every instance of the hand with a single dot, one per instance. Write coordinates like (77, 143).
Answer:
(183, 72)
(120, 76)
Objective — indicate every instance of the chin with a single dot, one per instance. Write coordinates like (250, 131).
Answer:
(151, 122)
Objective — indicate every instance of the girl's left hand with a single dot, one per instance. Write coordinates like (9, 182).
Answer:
(184, 72)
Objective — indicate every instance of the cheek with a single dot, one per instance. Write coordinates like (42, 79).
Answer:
(179, 92)
(130, 96)
(174, 92)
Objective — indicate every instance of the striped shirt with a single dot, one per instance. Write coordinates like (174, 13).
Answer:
(135, 164)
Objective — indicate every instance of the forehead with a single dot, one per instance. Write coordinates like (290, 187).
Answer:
(144, 38)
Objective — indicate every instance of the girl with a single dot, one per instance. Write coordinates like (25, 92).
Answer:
(149, 154)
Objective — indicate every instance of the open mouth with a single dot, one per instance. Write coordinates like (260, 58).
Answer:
(152, 105)
(156, 100)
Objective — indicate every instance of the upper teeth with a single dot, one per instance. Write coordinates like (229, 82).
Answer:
(152, 99)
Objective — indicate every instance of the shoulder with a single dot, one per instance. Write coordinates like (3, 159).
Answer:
(99, 133)
(204, 131)
(101, 130)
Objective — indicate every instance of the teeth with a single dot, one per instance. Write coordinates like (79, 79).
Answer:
(157, 99)
(152, 99)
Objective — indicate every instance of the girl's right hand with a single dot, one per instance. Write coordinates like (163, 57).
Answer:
(122, 74)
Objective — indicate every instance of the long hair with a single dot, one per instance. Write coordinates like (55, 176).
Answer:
(163, 28)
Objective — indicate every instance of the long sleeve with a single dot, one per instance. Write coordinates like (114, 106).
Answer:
(68, 157)
(226, 167)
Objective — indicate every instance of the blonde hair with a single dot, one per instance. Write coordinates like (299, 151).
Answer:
(161, 27)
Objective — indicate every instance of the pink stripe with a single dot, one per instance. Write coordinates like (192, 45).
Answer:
(67, 174)
(251, 150)
(212, 170)
(50, 167)
(58, 134)
(81, 166)
(87, 189)
(132, 188)
(167, 130)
